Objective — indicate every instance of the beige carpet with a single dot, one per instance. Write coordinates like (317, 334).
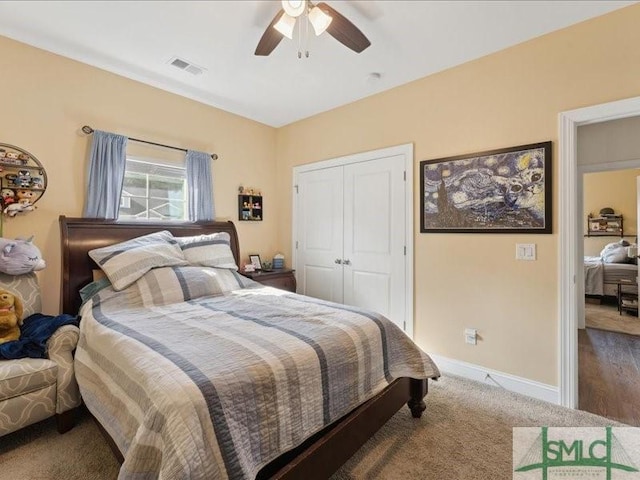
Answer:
(607, 317)
(465, 434)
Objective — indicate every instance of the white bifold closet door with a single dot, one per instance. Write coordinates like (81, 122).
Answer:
(351, 235)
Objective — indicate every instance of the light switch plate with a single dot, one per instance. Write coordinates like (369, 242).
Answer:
(525, 251)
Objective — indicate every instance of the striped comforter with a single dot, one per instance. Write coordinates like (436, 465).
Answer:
(200, 373)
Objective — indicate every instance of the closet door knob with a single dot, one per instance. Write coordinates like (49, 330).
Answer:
(347, 262)
(338, 261)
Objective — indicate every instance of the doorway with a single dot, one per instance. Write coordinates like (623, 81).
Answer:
(571, 274)
(609, 214)
(609, 340)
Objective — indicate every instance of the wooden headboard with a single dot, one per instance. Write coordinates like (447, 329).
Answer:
(79, 235)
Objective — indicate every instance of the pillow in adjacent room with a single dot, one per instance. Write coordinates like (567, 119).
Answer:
(126, 262)
(213, 250)
(615, 253)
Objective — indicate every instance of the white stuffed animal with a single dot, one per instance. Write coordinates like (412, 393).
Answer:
(22, 206)
(20, 256)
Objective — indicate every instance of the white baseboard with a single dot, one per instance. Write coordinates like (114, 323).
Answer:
(481, 374)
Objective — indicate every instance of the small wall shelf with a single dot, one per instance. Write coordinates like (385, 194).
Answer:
(23, 179)
(250, 208)
(604, 226)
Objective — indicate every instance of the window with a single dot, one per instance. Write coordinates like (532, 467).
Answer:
(153, 191)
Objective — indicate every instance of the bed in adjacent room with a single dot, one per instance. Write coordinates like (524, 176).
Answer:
(195, 371)
(614, 265)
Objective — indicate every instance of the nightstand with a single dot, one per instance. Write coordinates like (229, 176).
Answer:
(279, 278)
(627, 301)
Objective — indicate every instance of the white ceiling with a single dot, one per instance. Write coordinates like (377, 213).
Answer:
(410, 39)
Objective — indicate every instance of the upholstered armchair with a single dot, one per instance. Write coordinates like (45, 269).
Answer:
(32, 389)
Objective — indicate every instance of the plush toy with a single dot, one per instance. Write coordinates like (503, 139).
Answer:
(22, 206)
(20, 256)
(26, 195)
(10, 316)
(21, 180)
(8, 196)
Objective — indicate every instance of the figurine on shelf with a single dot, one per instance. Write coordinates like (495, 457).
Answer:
(36, 182)
(8, 196)
(26, 195)
(20, 207)
(22, 179)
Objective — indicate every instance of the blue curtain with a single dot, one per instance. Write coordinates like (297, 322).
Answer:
(106, 174)
(199, 186)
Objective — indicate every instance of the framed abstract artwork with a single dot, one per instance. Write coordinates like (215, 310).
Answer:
(498, 191)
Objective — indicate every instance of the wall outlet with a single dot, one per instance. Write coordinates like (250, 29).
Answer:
(471, 336)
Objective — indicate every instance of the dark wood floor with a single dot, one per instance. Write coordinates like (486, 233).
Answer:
(609, 375)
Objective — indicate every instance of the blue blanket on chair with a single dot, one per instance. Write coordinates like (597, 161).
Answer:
(34, 333)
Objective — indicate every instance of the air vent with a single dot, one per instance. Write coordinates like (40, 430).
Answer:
(193, 70)
(186, 66)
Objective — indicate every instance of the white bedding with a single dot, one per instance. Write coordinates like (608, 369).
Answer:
(601, 278)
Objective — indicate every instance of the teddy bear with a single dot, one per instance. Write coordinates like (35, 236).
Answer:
(11, 310)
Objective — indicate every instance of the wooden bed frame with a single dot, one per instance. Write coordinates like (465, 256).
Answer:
(319, 456)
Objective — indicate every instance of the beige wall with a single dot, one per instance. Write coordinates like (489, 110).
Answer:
(47, 98)
(509, 98)
(617, 190)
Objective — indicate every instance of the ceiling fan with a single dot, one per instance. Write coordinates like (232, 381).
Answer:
(321, 17)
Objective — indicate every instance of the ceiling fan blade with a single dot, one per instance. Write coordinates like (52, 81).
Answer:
(270, 38)
(344, 31)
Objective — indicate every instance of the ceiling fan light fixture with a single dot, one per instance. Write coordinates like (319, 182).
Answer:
(294, 8)
(319, 20)
(285, 25)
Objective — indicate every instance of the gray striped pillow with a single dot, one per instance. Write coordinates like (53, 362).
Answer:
(126, 262)
(213, 250)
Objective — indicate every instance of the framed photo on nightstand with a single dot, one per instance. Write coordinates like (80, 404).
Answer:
(255, 261)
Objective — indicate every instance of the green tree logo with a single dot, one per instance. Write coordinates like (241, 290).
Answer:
(607, 453)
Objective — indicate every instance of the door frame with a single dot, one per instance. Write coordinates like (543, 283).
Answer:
(570, 233)
(407, 151)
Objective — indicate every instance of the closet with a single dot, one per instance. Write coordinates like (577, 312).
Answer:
(352, 217)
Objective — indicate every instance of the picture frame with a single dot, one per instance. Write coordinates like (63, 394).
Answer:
(255, 261)
(508, 190)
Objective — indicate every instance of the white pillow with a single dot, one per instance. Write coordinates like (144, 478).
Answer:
(126, 262)
(614, 253)
(213, 250)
